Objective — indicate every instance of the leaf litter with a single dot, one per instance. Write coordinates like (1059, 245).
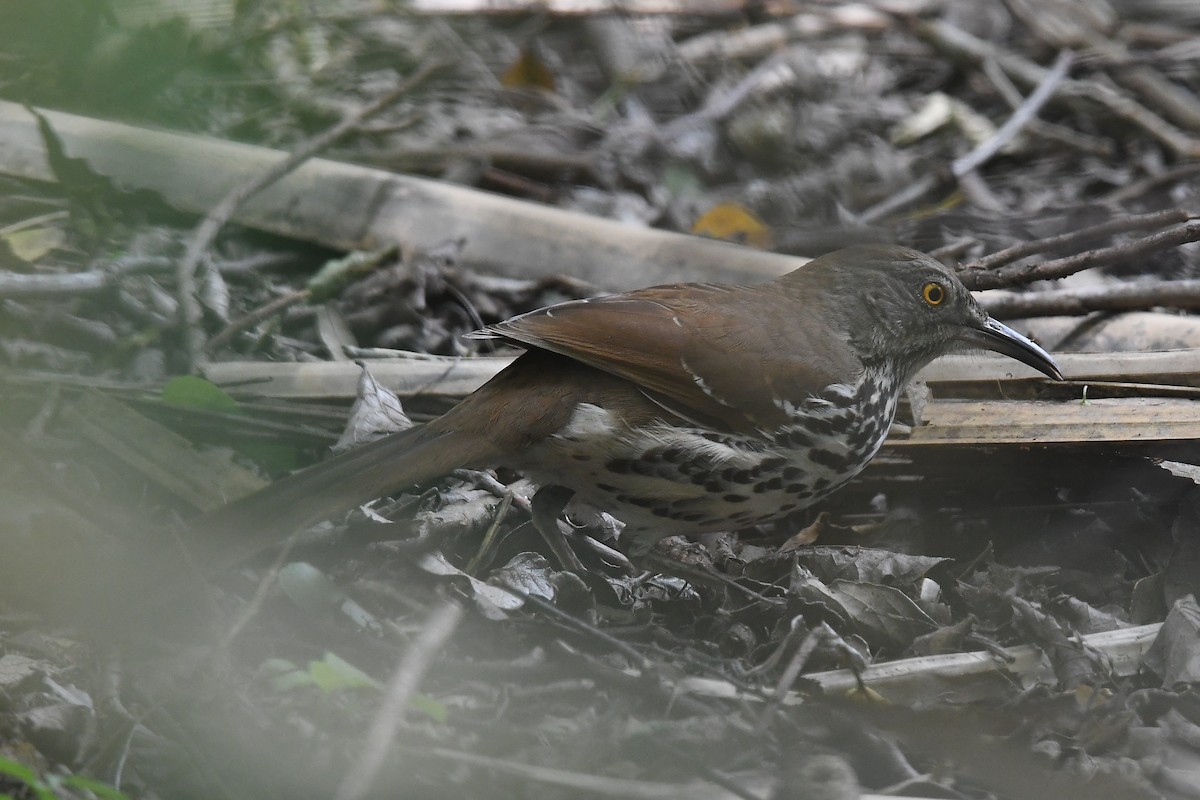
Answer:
(702, 676)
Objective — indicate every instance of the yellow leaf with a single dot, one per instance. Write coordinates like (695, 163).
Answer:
(528, 72)
(33, 243)
(733, 223)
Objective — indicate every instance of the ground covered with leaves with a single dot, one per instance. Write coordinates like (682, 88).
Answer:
(1001, 606)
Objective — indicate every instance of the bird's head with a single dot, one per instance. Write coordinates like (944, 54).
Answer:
(900, 306)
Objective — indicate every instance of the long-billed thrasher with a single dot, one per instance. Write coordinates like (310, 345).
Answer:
(680, 409)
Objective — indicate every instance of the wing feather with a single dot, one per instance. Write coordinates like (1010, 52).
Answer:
(694, 349)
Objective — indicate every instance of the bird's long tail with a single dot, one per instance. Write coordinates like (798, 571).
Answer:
(525, 404)
(257, 521)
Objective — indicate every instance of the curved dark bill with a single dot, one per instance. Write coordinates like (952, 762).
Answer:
(997, 336)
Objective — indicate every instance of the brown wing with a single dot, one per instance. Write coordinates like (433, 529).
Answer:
(721, 355)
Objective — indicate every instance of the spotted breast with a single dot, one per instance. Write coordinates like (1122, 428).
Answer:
(670, 478)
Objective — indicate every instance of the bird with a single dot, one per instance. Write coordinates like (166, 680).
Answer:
(687, 408)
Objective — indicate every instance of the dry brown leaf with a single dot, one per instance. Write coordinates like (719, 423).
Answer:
(733, 223)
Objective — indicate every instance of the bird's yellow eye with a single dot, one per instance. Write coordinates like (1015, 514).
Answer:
(934, 293)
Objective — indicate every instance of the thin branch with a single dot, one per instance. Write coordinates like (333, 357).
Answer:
(361, 776)
(1062, 267)
(1121, 297)
(910, 194)
(642, 662)
(255, 316)
(1052, 131)
(190, 312)
(1140, 222)
(1024, 114)
(67, 284)
(740, 44)
(957, 43)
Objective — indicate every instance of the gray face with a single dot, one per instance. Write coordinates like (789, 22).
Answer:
(915, 309)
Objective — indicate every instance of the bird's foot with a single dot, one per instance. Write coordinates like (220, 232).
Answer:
(546, 507)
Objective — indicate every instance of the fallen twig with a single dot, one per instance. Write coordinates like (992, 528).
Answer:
(361, 775)
(1062, 267)
(348, 207)
(189, 305)
(66, 284)
(1118, 297)
(1088, 143)
(758, 40)
(916, 680)
(1021, 117)
(105, 275)
(578, 7)
(959, 44)
(249, 320)
(1138, 222)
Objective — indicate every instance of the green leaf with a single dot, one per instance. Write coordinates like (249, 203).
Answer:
(333, 673)
(33, 243)
(101, 790)
(337, 274)
(285, 676)
(431, 708)
(27, 776)
(191, 391)
(15, 769)
(289, 681)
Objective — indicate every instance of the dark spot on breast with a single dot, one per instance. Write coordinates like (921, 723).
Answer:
(621, 466)
(681, 467)
(715, 485)
(799, 490)
(772, 464)
(820, 484)
(862, 437)
(791, 473)
(735, 498)
(607, 487)
(797, 438)
(673, 454)
(819, 426)
(826, 459)
(581, 456)
(771, 485)
(839, 425)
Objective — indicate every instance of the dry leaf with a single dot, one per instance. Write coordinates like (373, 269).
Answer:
(528, 72)
(733, 223)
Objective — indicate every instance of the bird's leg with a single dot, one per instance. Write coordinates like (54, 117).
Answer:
(547, 504)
